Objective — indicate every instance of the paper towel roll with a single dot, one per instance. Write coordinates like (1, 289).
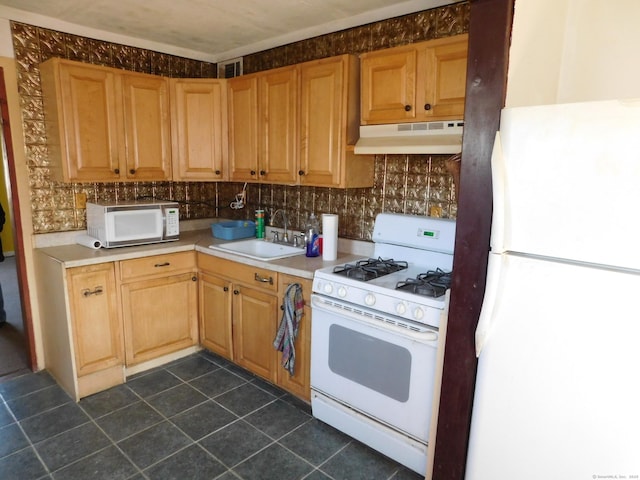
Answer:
(88, 241)
(329, 236)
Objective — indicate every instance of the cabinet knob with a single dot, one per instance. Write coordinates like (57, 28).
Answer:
(218, 172)
(194, 279)
(407, 108)
(282, 307)
(236, 292)
(253, 172)
(164, 264)
(132, 171)
(427, 106)
(225, 289)
(117, 171)
(301, 172)
(263, 173)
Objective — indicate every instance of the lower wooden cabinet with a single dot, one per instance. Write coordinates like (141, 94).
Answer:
(239, 317)
(254, 327)
(96, 326)
(159, 305)
(99, 320)
(214, 298)
(300, 382)
(81, 325)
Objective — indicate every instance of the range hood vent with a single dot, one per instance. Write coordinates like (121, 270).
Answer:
(424, 137)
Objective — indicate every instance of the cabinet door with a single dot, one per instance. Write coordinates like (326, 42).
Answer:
(254, 327)
(147, 128)
(97, 329)
(277, 126)
(322, 142)
(446, 78)
(300, 382)
(389, 85)
(215, 314)
(243, 127)
(83, 127)
(199, 129)
(160, 316)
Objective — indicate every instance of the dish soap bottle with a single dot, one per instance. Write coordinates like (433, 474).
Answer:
(312, 232)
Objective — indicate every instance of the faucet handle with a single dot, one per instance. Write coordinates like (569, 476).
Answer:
(276, 237)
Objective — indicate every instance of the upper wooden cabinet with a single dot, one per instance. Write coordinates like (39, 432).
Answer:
(105, 124)
(298, 125)
(329, 123)
(418, 82)
(146, 127)
(278, 125)
(263, 133)
(199, 129)
(242, 103)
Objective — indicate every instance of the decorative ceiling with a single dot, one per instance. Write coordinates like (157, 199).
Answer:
(211, 30)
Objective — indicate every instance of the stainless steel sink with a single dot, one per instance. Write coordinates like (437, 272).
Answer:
(259, 249)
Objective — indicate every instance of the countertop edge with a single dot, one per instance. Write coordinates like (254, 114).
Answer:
(74, 255)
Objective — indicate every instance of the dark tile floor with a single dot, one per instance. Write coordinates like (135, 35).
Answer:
(200, 417)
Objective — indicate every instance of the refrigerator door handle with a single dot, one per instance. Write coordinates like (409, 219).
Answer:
(498, 179)
(485, 321)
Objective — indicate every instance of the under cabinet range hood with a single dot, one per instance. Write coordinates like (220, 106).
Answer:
(424, 137)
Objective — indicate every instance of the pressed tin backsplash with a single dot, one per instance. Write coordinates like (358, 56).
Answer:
(403, 183)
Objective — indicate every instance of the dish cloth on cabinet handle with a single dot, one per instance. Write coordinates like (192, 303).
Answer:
(293, 309)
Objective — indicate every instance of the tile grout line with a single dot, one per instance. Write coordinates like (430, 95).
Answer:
(168, 419)
(30, 443)
(212, 399)
(274, 395)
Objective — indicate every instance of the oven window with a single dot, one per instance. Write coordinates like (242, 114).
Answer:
(370, 361)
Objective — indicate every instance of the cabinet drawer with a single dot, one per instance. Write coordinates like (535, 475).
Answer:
(238, 272)
(163, 265)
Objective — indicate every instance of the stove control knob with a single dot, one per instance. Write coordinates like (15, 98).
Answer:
(401, 309)
(342, 292)
(418, 313)
(369, 299)
(328, 288)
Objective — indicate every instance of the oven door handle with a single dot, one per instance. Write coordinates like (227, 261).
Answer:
(379, 320)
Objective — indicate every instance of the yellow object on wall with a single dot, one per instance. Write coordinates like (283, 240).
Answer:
(7, 231)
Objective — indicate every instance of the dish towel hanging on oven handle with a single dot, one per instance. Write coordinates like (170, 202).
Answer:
(293, 309)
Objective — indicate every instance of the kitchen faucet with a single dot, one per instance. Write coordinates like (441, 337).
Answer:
(285, 235)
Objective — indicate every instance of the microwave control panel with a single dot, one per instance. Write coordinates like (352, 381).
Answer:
(172, 219)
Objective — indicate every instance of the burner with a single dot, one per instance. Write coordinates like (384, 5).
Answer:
(433, 283)
(370, 268)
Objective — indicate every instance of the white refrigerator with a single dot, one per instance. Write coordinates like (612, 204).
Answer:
(558, 341)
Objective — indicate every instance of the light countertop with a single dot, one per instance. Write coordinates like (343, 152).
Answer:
(74, 255)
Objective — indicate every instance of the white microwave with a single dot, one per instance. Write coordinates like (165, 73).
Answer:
(135, 223)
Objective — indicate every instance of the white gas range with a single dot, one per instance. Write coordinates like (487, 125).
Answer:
(375, 336)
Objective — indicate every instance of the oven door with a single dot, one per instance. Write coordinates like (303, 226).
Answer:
(380, 365)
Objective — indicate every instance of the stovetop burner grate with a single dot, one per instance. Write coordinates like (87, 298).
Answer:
(370, 268)
(433, 283)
